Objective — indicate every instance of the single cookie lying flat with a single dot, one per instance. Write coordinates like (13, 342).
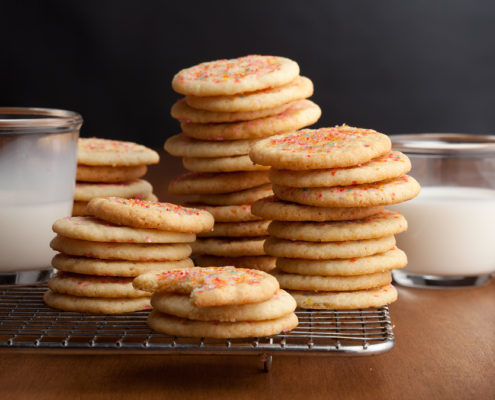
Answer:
(238, 229)
(247, 196)
(226, 247)
(212, 286)
(138, 189)
(235, 213)
(222, 164)
(263, 263)
(151, 215)
(109, 174)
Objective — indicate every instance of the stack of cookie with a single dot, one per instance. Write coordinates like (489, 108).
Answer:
(229, 105)
(218, 302)
(99, 256)
(111, 168)
(333, 240)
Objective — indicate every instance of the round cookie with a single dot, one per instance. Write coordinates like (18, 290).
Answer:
(95, 266)
(340, 146)
(390, 165)
(235, 213)
(115, 153)
(180, 306)
(152, 215)
(263, 263)
(121, 251)
(301, 113)
(222, 164)
(357, 299)
(108, 174)
(222, 330)
(391, 259)
(384, 223)
(297, 89)
(93, 286)
(137, 188)
(237, 75)
(184, 113)
(226, 247)
(210, 183)
(273, 209)
(332, 283)
(391, 191)
(212, 286)
(238, 229)
(93, 229)
(183, 146)
(327, 250)
(247, 196)
(79, 207)
(95, 305)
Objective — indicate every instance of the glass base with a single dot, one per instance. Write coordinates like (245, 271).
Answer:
(25, 277)
(439, 282)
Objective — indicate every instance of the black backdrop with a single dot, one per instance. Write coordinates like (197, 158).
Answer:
(395, 66)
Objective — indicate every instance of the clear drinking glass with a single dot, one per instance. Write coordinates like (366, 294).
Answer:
(38, 158)
(450, 241)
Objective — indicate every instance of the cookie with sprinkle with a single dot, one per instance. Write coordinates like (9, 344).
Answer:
(340, 146)
(238, 75)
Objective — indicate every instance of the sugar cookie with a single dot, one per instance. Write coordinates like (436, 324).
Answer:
(390, 165)
(180, 306)
(95, 305)
(384, 223)
(93, 229)
(235, 213)
(391, 191)
(297, 89)
(237, 75)
(96, 266)
(93, 286)
(340, 146)
(184, 327)
(246, 196)
(151, 215)
(137, 188)
(327, 250)
(386, 261)
(212, 286)
(115, 153)
(301, 113)
(367, 298)
(226, 247)
(121, 251)
(210, 183)
(222, 164)
(272, 208)
(238, 229)
(263, 263)
(184, 146)
(332, 283)
(185, 113)
(109, 174)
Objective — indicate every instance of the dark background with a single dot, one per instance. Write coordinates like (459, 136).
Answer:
(395, 66)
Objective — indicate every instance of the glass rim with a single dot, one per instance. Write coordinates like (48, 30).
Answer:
(15, 118)
(443, 143)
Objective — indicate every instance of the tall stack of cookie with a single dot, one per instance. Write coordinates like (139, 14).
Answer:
(218, 302)
(99, 256)
(111, 168)
(333, 240)
(229, 105)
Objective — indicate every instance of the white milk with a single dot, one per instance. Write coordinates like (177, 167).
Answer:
(25, 235)
(451, 231)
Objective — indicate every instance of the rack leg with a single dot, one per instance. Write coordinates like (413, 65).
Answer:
(267, 362)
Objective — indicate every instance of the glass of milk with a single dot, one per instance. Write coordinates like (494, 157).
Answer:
(38, 158)
(450, 241)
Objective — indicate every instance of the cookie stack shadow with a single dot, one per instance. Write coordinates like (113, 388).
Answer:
(218, 302)
(100, 255)
(333, 240)
(219, 127)
(111, 168)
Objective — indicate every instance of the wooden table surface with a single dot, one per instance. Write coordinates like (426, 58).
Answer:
(445, 349)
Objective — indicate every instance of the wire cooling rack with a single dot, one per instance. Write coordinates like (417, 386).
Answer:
(27, 323)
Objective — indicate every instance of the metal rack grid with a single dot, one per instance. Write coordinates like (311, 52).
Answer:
(26, 322)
